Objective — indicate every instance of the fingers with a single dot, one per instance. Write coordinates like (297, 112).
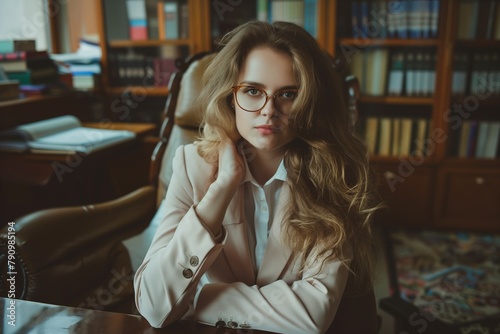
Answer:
(231, 165)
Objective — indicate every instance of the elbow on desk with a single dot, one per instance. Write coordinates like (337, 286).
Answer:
(158, 314)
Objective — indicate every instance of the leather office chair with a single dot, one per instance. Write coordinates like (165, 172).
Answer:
(86, 256)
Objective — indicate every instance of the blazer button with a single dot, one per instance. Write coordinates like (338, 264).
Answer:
(187, 273)
(193, 261)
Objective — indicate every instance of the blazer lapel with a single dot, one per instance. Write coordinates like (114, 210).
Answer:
(236, 248)
(277, 252)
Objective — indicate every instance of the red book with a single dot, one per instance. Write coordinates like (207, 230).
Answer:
(23, 55)
(138, 33)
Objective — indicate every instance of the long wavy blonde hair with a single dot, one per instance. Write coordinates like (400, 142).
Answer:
(333, 199)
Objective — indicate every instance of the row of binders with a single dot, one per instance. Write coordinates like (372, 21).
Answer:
(140, 70)
(477, 73)
(478, 19)
(146, 19)
(477, 139)
(301, 12)
(396, 136)
(407, 136)
(394, 19)
(395, 73)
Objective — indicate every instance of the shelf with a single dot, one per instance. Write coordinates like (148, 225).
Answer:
(384, 159)
(148, 43)
(471, 162)
(397, 100)
(491, 101)
(150, 91)
(388, 42)
(480, 43)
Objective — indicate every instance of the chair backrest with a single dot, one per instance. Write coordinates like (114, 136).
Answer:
(182, 118)
(183, 114)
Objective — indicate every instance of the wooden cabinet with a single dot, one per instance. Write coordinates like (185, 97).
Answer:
(420, 71)
(406, 193)
(468, 197)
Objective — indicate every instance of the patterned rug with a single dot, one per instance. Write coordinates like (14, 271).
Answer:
(453, 277)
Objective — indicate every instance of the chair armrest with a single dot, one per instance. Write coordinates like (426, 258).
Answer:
(69, 246)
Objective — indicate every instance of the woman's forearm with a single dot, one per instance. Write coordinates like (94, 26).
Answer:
(213, 206)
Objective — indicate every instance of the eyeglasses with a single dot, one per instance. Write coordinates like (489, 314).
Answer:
(253, 99)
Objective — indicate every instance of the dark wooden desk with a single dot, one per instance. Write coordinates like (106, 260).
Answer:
(46, 318)
(37, 108)
(30, 182)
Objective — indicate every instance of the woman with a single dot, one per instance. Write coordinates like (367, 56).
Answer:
(268, 215)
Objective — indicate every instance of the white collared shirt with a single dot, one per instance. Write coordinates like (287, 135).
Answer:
(260, 205)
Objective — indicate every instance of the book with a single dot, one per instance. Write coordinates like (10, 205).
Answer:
(434, 16)
(418, 18)
(137, 19)
(152, 19)
(8, 45)
(396, 74)
(406, 136)
(419, 79)
(385, 136)
(410, 74)
(60, 135)
(184, 21)
(262, 10)
(482, 135)
(20, 61)
(467, 16)
(371, 130)
(116, 22)
(459, 78)
(472, 140)
(358, 69)
(376, 79)
(36, 67)
(421, 134)
(310, 17)
(486, 15)
(171, 20)
(429, 67)
(402, 19)
(364, 9)
(464, 139)
(9, 90)
(396, 137)
(496, 27)
(492, 141)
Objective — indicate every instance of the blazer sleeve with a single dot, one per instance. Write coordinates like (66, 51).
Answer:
(307, 305)
(180, 253)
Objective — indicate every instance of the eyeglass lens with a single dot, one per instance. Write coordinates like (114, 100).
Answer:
(252, 98)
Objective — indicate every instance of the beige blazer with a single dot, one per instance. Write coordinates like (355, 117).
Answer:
(279, 298)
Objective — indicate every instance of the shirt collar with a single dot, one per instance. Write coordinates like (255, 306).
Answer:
(279, 175)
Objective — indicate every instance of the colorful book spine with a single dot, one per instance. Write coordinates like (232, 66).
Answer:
(137, 18)
(171, 20)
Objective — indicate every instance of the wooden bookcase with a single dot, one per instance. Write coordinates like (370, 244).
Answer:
(423, 189)
(206, 21)
(438, 188)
